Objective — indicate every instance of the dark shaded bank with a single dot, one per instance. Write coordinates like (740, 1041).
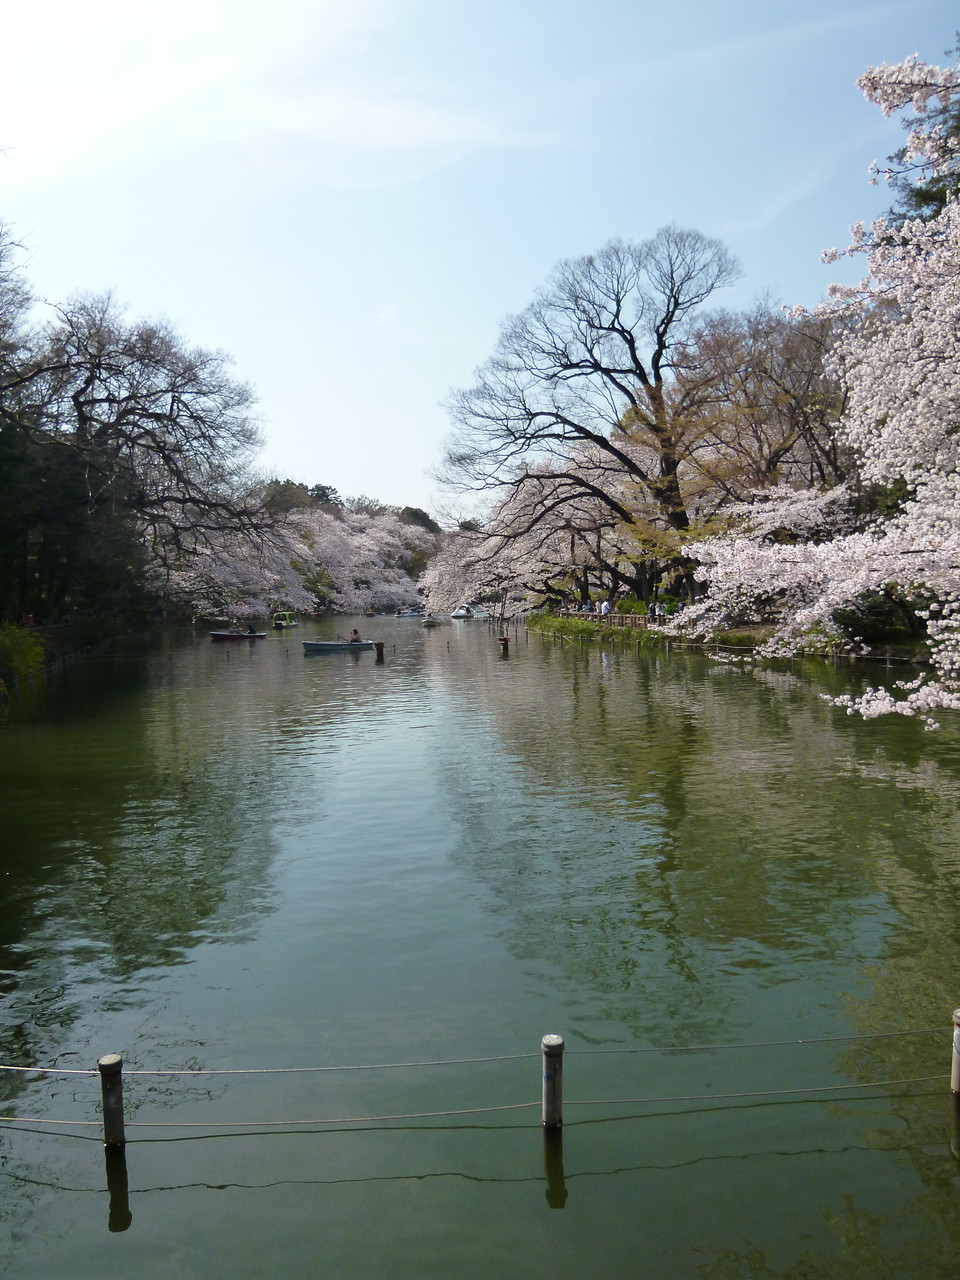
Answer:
(27, 654)
(22, 656)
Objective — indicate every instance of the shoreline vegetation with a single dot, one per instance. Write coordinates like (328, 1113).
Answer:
(23, 655)
(29, 653)
(745, 640)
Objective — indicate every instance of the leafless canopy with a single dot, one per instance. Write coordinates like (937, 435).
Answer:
(162, 427)
(590, 365)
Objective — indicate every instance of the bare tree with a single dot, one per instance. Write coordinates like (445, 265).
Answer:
(591, 364)
(771, 418)
(163, 430)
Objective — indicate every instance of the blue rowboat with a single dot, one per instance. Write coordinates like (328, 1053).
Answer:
(335, 646)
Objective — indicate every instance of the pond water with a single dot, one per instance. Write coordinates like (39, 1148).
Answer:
(237, 856)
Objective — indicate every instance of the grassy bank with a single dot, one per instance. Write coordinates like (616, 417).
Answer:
(646, 637)
(743, 638)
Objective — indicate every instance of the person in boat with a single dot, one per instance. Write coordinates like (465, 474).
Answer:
(251, 630)
(355, 636)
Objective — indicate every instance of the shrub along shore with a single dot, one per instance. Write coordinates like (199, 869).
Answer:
(744, 639)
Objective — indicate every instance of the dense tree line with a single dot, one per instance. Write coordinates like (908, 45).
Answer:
(620, 420)
(796, 469)
(123, 450)
(127, 484)
(321, 553)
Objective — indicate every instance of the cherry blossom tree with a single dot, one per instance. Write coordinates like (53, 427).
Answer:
(898, 358)
(356, 561)
(618, 411)
(235, 576)
(315, 558)
(925, 171)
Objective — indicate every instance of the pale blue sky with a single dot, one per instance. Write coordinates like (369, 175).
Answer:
(349, 197)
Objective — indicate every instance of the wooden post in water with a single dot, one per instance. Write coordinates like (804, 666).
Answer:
(955, 1065)
(110, 1067)
(378, 650)
(504, 642)
(551, 1111)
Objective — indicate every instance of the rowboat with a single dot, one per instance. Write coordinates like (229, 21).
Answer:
(430, 621)
(335, 646)
(238, 635)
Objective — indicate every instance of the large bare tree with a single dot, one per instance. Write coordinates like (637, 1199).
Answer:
(120, 444)
(590, 363)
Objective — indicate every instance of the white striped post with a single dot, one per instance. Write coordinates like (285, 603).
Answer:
(955, 1064)
(111, 1090)
(551, 1110)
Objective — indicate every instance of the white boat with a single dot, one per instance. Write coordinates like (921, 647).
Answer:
(462, 611)
(335, 646)
(430, 621)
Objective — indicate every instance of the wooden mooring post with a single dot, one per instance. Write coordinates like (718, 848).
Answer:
(504, 642)
(551, 1111)
(110, 1067)
(378, 650)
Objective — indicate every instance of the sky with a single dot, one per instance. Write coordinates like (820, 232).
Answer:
(349, 198)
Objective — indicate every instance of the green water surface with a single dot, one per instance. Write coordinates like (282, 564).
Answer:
(233, 856)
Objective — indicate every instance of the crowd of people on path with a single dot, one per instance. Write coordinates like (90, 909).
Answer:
(656, 609)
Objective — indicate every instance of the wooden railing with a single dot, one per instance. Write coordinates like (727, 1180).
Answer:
(637, 620)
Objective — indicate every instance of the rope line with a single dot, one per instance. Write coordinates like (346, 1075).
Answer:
(55, 1071)
(263, 1124)
(454, 1062)
(86, 1124)
(370, 1066)
(475, 1111)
